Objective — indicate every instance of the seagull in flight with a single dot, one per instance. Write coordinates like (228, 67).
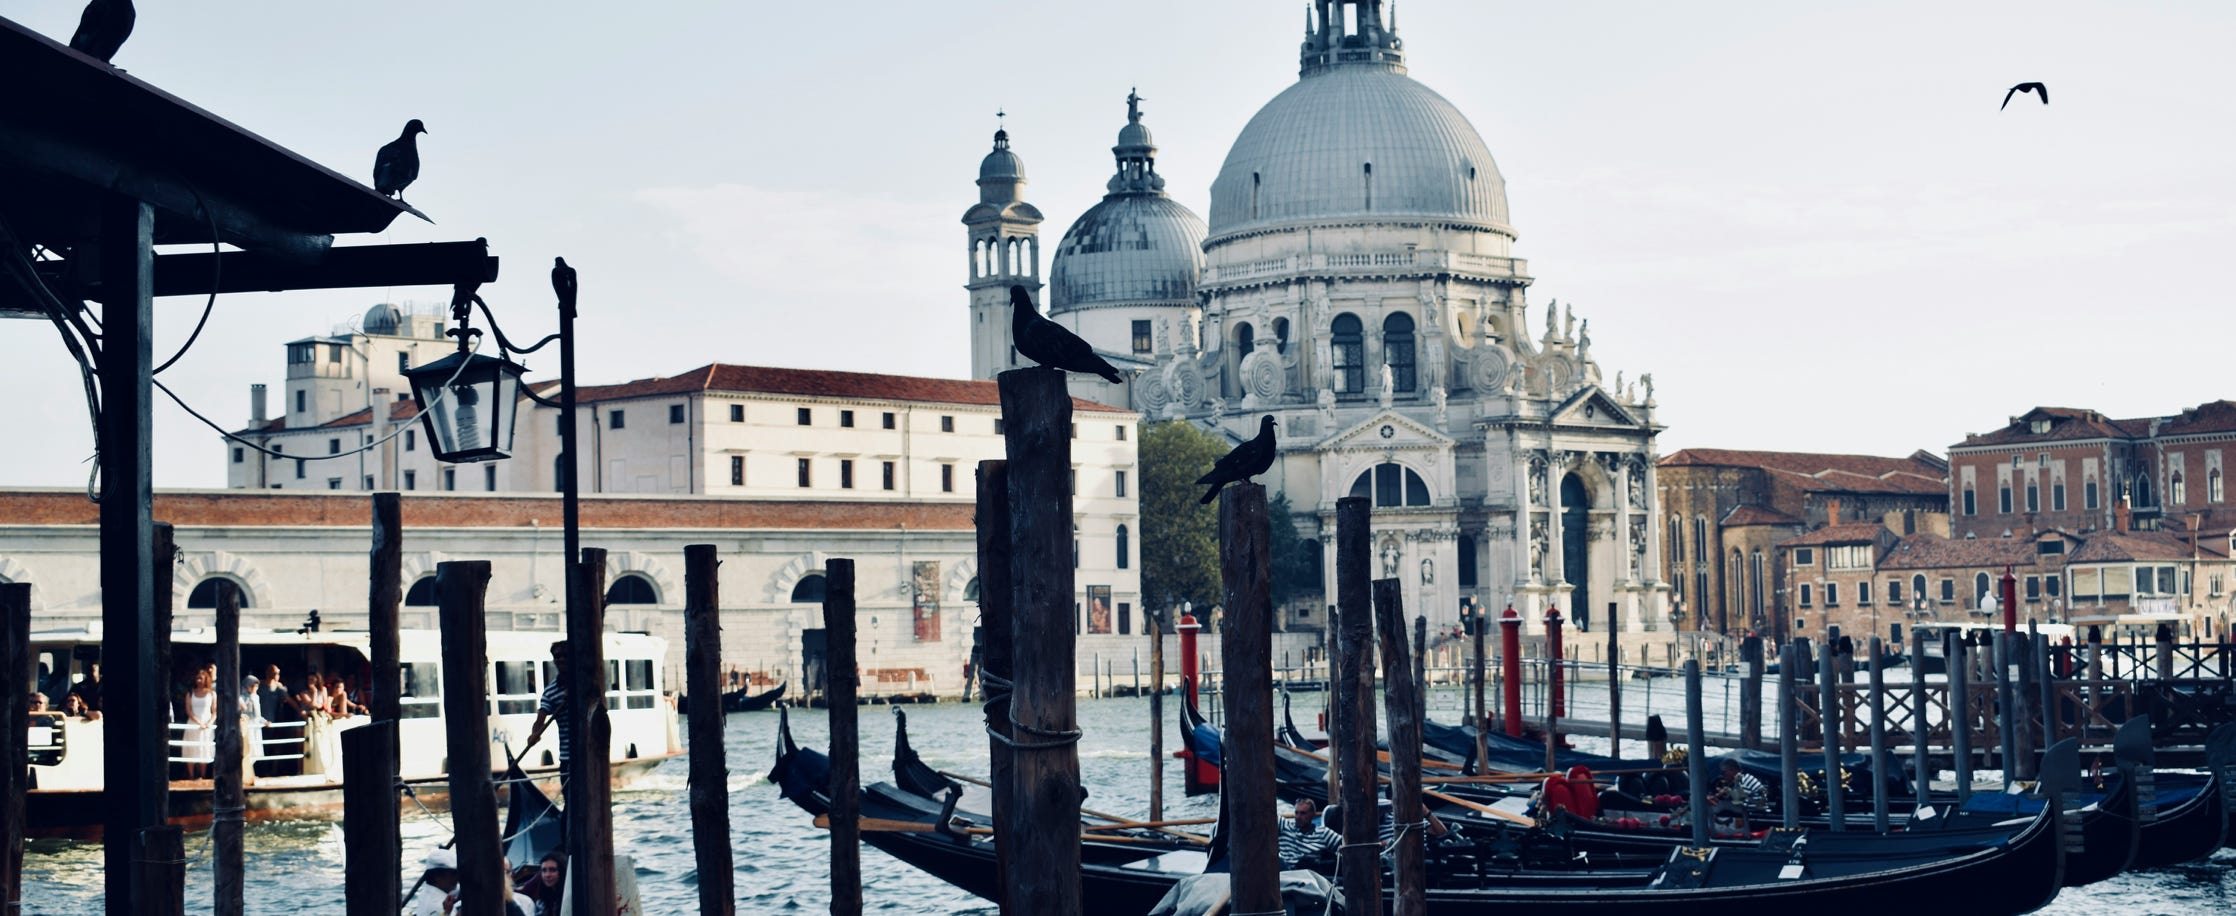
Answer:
(1051, 344)
(2036, 88)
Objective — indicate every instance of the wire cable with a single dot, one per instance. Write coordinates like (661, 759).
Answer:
(217, 272)
(275, 453)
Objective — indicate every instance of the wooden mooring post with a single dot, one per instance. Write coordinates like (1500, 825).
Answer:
(1480, 624)
(710, 770)
(1352, 726)
(1750, 694)
(1245, 654)
(1960, 711)
(2006, 707)
(1878, 737)
(1789, 736)
(374, 825)
(1044, 865)
(1921, 730)
(159, 870)
(995, 592)
(1828, 711)
(590, 777)
(460, 586)
(1614, 684)
(371, 872)
(16, 683)
(227, 797)
(1696, 753)
(846, 749)
(1156, 716)
(1401, 697)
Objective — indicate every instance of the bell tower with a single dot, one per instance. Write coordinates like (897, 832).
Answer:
(1004, 252)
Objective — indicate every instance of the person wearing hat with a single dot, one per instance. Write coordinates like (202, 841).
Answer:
(441, 875)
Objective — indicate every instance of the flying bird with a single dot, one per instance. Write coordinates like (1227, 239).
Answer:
(563, 282)
(1051, 344)
(2036, 88)
(397, 164)
(103, 27)
(1248, 460)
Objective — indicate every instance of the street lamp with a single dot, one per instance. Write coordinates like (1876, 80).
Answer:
(467, 401)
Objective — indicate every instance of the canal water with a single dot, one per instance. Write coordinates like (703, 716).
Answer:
(296, 866)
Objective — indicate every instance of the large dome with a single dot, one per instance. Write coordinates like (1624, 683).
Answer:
(1128, 249)
(1357, 141)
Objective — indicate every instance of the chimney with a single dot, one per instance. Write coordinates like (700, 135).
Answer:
(256, 415)
(2120, 516)
(1832, 512)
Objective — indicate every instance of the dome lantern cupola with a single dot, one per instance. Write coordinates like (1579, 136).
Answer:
(1137, 248)
(1136, 154)
(1335, 36)
(1001, 175)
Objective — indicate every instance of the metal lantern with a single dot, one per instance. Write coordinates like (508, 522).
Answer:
(467, 405)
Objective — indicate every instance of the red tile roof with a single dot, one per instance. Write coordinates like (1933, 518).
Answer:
(2211, 417)
(1932, 551)
(1850, 533)
(823, 383)
(2070, 424)
(1921, 474)
(1757, 515)
(2113, 547)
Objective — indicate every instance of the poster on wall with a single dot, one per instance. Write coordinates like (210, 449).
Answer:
(1098, 609)
(926, 580)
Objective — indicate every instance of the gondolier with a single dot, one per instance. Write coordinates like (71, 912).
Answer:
(555, 704)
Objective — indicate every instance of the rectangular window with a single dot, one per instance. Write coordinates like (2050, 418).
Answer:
(300, 353)
(1121, 432)
(889, 469)
(450, 478)
(846, 474)
(675, 413)
(1894, 591)
(2088, 494)
(403, 361)
(238, 454)
(1805, 595)
(1863, 593)
(737, 470)
(806, 416)
(1141, 336)
(846, 419)
(1969, 505)
(737, 413)
(947, 478)
(2033, 496)
(2034, 588)
(1803, 556)
(2049, 548)
(1948, 591)
(806, 474)
(946, 424)
(2003, 499)
(1832, 594)
(2057, 496)
(1000, 428)
(411, 480)
(1120, 478)
(489, 477)
(619, 420)
(302, 401)
(1125, 618)
(333, 446)
(333, 483)
(888, 418)
(298, 469)
(333, 353)
(2051, 584)
(411, 440)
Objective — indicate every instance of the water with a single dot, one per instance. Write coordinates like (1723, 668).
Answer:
(296, 867)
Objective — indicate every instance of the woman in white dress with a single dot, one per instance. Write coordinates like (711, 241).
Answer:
(201, 725)
(252, 727)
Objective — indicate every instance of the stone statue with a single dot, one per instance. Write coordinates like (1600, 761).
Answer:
(1619, 384)
(1568, 327)
(1584, 341)
(1389, 558)
(1389, 386)
(1442, 400)
(1538, 541)
(1537, 482)
(1428, 571)
(1647, 381)
(1552, 315)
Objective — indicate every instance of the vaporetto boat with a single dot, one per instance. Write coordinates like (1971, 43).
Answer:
(296, 765)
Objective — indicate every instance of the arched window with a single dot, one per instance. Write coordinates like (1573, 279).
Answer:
(1467, 561)
(422, 593)
(1397, 350)
(1125, 547)
(1280, 335)
(1347, 353)
(204, 594)
(632, 589)
(1392, 485)
(1980, 590)
(1755, 588)
(1676, 541)
(2212, 486)
(970, 590)
(809, 590)
(1917, 589)
(1735, 587)
(1245, 337)
(2177, 490)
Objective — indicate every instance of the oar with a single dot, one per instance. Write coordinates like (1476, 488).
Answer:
(1439, 796)
(883, 825)
(1152, 825)
(1121, 823)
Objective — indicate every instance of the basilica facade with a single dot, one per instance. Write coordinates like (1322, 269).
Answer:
(1357, 281)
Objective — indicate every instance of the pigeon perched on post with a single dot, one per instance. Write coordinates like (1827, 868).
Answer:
(1248, 460)
(2036, 88)
(563, 282)
(1051, 344)
(397, 164)
(103, 27)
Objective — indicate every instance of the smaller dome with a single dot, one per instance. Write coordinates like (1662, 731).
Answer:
(1130, 249)
(1135, 134)
(1001, 164)
(383, 319)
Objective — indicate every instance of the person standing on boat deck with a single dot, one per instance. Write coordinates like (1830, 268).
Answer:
(1303, 837)
(555, 704)
(90, 688)
(201, 724)
(73, 706)
(252, 727)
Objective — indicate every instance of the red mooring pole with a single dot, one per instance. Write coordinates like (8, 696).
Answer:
(1510, 661)
(2010, 601)
(1191, 674)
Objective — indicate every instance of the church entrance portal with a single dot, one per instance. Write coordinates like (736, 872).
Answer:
(1576, 549)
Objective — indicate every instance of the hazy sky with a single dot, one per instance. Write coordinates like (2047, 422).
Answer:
(1810, 222)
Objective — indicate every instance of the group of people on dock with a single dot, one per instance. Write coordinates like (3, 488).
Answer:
(284, 731)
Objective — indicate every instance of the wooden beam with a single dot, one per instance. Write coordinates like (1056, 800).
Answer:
(995, 667)
(845, 788)
(710, 771)
(136, 741)
(352, 267)
(590, 804)
(460, 587)
(1246, 784)
(1044, 865)
(226, 769)
(1401, 696)
(16, 681)
(1353, 723)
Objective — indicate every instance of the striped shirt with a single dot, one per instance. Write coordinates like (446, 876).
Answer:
(1298, 844)
(555, 704)
(1747, 792)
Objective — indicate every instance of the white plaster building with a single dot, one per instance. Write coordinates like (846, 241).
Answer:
(1357, 281)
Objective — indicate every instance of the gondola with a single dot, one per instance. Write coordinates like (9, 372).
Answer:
(533, 825)
(742, 700)
(1793, 870)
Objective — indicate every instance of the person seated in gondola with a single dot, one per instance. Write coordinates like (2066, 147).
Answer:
(1303, 838)
(1736, 796)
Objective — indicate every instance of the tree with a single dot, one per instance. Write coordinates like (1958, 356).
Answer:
(1179, 536)
(1296, 559)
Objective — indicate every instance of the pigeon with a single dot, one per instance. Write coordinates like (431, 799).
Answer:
(563, 282)
(397, 164)
(2036, 88)
(1248, 460)
(1050, 344)
(103, 27)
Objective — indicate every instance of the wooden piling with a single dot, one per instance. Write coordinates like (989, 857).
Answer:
(16, 682)
(159, 782)
(710, 771)
(459, 588)
(1828, 711)
(2007, 724)
(1156, 717)
(159, 863)
(1360, 866)
(1420, 655)
(846, 747)
(1696, 753)
(371, 872)
(1657, 734)
(2047, 684)
(1878, 737)
(1402, 699)
(1921, 731)
(384, 598)
(1789, 736)
(1614, 684)
(1750, 694)
(1044, 865)
(1960, 712)
(1246, 653)
(225, 769)
(590, 815)
(2165, 652)
(1510, 670)
(1482, 698)
(995, 592)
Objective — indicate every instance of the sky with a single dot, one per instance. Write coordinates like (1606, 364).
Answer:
(1809, 221)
